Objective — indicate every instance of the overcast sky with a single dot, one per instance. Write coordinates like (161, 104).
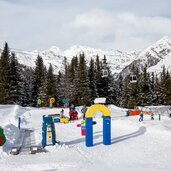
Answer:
(106, 24)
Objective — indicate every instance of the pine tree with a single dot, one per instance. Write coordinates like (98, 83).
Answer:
(38, 79)
(125, 94)
(5, 76)
(104, 81)
(168, 89)
(158, 99)
(27, 86)
(152, 89)
(42, 89)
(83, 81)
(119, 84)
(16, 82)
(64, 80)
(72, 84)
(131, 96)
(51, 84)
(107, 86)
(165, 86)
(60, 89)
(144, 94)
(76, 80)
(98, 75)
(91, 82)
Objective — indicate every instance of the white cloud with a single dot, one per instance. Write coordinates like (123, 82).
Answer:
(110, 24)
(128, 30)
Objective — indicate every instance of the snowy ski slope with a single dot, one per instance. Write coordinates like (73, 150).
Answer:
(135, 145)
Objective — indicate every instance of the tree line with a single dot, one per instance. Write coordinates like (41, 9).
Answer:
(79, 82)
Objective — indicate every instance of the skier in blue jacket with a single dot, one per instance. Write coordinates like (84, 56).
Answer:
(141, 116)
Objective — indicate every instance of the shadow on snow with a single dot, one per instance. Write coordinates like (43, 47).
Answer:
(137, 133)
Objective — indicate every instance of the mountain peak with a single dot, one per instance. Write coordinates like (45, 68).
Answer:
(165, 39)
(54, 49)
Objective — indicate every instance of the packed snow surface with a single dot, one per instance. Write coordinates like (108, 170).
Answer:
(136, 146)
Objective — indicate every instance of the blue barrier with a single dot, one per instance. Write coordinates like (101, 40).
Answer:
(48, 131)
(56, 119)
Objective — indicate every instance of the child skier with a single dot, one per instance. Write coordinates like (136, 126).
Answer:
(84, 110)
(141, 116)
(152, 116)
(72, 107)
(70, 115)
(75, 115)
(62, 113)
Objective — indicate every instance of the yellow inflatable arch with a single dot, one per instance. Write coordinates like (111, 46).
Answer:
(97, 107)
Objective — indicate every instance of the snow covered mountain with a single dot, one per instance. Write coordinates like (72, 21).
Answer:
(117, 60)
(161, 51)
(157, 55)
(154, 56)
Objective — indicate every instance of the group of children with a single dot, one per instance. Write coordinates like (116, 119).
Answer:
(73, 114)
(142, 116)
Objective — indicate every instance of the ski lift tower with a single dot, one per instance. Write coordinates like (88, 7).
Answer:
(104, 70)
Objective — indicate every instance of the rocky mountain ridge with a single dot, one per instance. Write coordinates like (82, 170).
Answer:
(157, 54)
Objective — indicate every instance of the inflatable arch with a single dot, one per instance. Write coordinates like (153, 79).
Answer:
(106, 124)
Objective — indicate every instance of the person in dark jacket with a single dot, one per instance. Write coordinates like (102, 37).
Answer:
(141, 116)
(75, 115)
(152, 116)
(72, 107)
(70, 115)
(84, 110)
(62, 113)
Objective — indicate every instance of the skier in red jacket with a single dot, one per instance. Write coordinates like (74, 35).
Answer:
(75, 115)
(70, 115)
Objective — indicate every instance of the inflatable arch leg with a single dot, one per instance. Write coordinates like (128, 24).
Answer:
(89, 132)
(107, 130)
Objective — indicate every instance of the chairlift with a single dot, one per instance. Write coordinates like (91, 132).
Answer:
(104, 73)
(133, 78)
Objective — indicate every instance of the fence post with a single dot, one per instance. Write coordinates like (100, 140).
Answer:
(19, 122)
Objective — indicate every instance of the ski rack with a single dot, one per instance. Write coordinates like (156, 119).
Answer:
(36, 149)
(33, 150)
(15, 150)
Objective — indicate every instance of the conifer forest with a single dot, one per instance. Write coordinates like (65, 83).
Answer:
(79, 82)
